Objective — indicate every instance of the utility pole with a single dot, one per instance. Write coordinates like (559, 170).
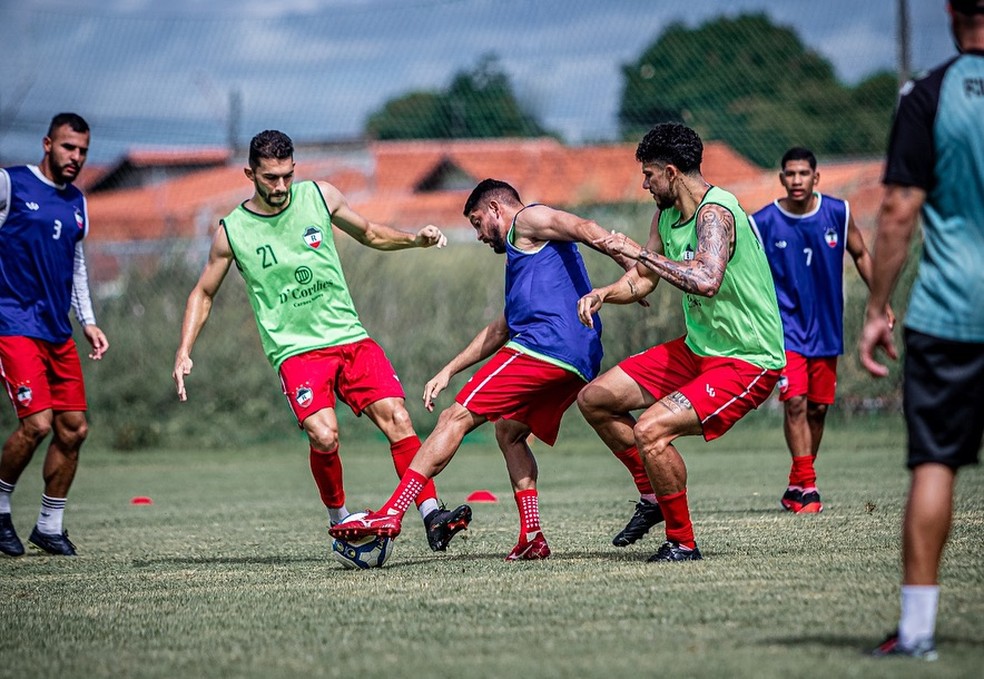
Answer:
(235, 117)
(903, 38)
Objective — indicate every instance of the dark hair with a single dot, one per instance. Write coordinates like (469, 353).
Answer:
(967, 7)
(270, 144)
(798, 153)
(488, 189)
(73, 120)
(674, 144)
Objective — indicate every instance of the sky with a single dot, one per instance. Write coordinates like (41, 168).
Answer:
(147, 73)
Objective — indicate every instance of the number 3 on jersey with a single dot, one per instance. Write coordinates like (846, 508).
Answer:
(268, 256)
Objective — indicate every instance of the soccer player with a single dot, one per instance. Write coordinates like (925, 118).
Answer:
(43, 219)
(804, 236)
(935, 165)
(731, 356)
(541, 357)
(282, 242)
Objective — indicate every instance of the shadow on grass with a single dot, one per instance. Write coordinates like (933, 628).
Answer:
(271, 560)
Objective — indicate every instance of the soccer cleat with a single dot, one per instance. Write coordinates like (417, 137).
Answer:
(923, 650)
(810, 503)
(442, 525)
(530, 550)
(380, 525)
(10, 544)
(53, 543)
(792, 499)
(672, 551)
(647, 514)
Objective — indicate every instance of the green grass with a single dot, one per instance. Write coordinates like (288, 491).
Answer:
(227, 574)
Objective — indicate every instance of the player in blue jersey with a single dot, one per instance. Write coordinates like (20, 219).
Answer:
(805, 235)
(935, 166)
(43, 220)
(541, 357)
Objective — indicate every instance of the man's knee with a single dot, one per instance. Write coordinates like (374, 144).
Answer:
(322, 437)
(36, 427)
(795, 408)
(592, 402)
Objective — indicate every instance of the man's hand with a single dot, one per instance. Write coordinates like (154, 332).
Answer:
(616, 243)
(877, 332)
(98, 341)
(182, 367)
(435, 386)
(587, 306)
(430, 235)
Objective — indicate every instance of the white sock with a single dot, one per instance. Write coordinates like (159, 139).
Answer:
(427, 506)
(336, 514)
(918, 619)
(50, 518)
(6, 489)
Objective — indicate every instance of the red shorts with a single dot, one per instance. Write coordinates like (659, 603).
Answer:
(815, 378)
(721, 390)
(41, 375)
(358, 372)
(516, 386)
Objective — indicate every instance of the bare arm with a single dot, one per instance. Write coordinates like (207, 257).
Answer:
(539, 223)
(862, 259)
(633, 286)
(199, 306)
(897, 220)
(372, 234)
(488, 341)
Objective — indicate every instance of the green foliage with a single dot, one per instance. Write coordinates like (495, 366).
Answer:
(479, 103)
(755, 86)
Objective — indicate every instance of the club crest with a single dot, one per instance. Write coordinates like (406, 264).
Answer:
(831, 237)
(303, 396)
(313, 237)
(24, 395)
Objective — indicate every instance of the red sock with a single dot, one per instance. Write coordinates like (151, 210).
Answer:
(326, 467)
(802, 473)
(403, 452)
(410, 485)
(529, 512)
(677, 515)
(630, 458)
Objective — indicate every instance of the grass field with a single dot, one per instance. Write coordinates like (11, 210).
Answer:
(227, 574)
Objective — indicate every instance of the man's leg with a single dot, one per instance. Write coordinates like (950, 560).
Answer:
(18, 450)
(606, 404)
(434, 455)
(799, 440)
(69, 431)
(671, 417)
(512, 437)
(326, 465)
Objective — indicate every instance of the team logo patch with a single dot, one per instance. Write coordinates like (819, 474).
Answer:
(79, 221)
(303, 396)
(313, 237)
(783, 383)
(24, 395)
(303, 275)
(831, 237)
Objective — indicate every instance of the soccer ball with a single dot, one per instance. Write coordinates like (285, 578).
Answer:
(367, 552)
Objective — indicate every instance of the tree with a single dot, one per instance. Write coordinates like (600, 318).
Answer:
(477, 104)
(755, 86)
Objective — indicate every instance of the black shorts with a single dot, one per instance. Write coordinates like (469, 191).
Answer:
(943, 400)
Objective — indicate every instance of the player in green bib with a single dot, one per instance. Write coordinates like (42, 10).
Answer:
(282, 242)
(724, 366)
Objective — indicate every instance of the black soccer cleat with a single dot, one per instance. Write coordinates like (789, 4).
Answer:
(923, 650)
(672, 551)
(52, 543)
(442, 525)
(10, 544)
(647, 514)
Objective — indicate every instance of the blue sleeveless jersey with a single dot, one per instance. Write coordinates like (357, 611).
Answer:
(37, 254)
(806, 255)
(543, 287)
